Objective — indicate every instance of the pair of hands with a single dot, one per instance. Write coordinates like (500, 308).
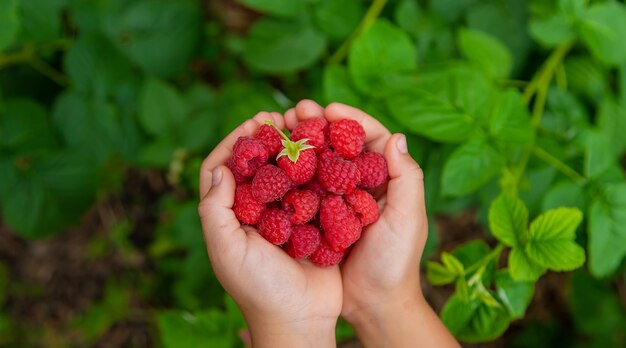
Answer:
(294, 303)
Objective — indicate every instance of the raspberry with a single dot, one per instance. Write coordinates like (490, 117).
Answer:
(315, 186)
(338, 175)
(239, 179)
(341, 227)
(372, 169)
(274, 226)
(316, 130)
(249, 154)
(270, 138)
(247, 209)
(270, 184)
(325, 256)
(347, 138)
(363, 205)
(301, 205)
(303, 242)
(303, 169)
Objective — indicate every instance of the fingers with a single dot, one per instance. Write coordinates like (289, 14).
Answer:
(376, 134)
(224, 149)
(304, 110)
(405, 190)
(219, 224)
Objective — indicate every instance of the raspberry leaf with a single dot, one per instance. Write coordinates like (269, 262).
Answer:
(551, 240)
(508, 217)
(523, 268)
(607, 236)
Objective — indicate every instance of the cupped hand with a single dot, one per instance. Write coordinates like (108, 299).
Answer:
(286, 302)
(384, 263)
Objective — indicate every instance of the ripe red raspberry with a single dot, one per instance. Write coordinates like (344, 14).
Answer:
(338, 175)
(270, 184)
(325, 256)
(303, 242)
(301, 205)
(372, 169)
(341, 227)
(315, 186)
(248, 155)
(363, 205)
(347, 138)
(274, 226)
(316, 130)
(270, 138)
(247, 209)
(303, 169)
(239, 179)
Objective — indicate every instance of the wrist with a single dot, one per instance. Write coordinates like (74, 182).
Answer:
(266, 332)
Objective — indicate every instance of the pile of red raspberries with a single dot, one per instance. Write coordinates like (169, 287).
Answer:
(308, 193)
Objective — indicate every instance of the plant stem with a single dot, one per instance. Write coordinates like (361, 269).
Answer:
(28, 55)
(494, 254)
(370, 16)
(544, 76)
(539, 85)
(558, 164)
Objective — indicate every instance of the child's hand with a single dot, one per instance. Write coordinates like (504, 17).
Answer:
(286, 302)
(382, 297)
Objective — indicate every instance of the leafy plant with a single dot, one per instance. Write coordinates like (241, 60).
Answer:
(515, 110)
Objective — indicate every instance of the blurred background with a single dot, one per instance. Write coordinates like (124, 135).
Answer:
(108, 107)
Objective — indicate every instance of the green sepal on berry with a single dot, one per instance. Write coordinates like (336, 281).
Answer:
(291, 148)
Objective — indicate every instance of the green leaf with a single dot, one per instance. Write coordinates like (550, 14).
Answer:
(508, 218)
(603, 30)
(607, 236)
(553, 31)
(485, 51)
(564, 193)
(515, 295)
(383, 49)
(407, 14)
(184, 329)
(452, 263)
(438, 274)
(457, 313)
(9, 22)
(41, 195)
(598, 153)
(592, 298)
(551, 240)
(510, 121)
(473, 321)
(469, 167)
(95, 66)
(445, 104)
(234, 112)
(338, 87)
(161, 107)
(507, 21)
(159, 36)
(281, 8)
(25, 127)
(41, 19)
(278, 46)
(338, 18)
(587, 77)
(523, 268)
(611, 122)
(99, 317)
(94, 125)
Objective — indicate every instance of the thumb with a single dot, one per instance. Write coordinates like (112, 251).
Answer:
(405, 190)
(220, 226)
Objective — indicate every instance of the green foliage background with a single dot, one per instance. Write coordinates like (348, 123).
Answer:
(516, 110)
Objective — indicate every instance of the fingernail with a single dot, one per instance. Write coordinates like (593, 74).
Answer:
(401, 144)
(217, 176)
